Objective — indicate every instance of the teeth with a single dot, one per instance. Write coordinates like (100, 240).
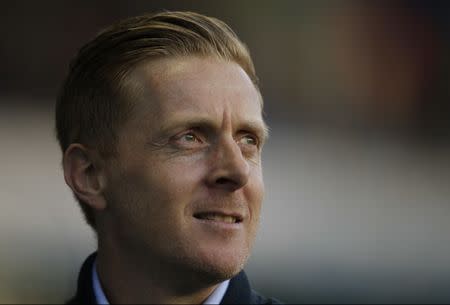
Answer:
(222, 218)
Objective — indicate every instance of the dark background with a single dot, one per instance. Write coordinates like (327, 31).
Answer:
(356, 168)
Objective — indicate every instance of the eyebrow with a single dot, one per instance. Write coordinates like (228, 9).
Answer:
(257, 126)
(260, 127)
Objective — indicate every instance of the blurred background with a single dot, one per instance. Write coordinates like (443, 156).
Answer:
(357, 167)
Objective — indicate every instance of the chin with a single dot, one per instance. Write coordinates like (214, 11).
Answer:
(210, 274)
(218, 266)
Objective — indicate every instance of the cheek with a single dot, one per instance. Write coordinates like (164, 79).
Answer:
(181, 177)
(254, 193)
(149, 199)
(167, 186)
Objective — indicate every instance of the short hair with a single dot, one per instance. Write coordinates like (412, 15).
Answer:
(93, 102)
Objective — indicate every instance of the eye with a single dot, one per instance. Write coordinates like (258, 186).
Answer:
(189, 137)
(249, 140)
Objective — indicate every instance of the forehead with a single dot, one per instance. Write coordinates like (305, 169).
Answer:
(195, 85)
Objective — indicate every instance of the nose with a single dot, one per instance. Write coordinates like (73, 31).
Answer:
(229, 169)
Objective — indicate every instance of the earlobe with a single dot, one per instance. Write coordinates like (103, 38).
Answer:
(83, 175)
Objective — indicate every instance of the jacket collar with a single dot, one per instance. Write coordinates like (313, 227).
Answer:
(238, 292)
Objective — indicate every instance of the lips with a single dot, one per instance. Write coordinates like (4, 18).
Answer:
(224, 217)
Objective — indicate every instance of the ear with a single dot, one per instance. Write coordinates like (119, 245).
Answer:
(84, 175)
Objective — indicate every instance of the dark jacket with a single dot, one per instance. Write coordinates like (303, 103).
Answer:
(238, 292)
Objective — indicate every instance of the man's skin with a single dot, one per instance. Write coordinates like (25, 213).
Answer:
(191, 149)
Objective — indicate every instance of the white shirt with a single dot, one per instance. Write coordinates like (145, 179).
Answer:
(215, 297)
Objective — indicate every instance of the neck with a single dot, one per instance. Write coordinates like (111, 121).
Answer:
(130, 279)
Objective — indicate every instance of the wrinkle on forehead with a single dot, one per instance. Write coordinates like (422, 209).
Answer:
(179, 83)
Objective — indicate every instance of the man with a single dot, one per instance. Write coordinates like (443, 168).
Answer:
(160, 124)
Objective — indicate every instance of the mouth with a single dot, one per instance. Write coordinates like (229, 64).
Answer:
(219, 217)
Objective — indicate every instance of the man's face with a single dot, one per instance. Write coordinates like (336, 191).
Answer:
(186, 188)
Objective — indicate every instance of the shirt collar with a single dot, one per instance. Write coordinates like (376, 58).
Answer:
(98, 291)
(218, 293)
(215, 297)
